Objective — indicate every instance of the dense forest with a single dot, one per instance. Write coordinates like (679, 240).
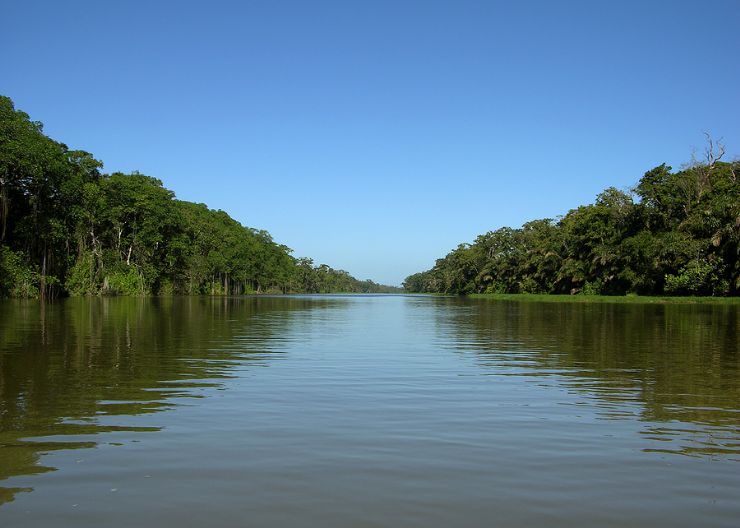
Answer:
(674, 233)
(67, 228)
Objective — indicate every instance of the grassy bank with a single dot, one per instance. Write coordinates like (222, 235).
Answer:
(629, 299)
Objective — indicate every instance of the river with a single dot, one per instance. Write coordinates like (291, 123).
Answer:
(368, 411)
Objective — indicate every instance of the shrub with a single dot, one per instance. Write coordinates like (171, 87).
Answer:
(17, 279)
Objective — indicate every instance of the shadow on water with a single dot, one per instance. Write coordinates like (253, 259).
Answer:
(676, 368)
(80, 367)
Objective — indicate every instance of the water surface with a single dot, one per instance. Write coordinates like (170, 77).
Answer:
(368, 411)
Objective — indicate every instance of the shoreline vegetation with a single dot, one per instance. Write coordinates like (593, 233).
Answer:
(673, 235)
(68, 229)
(604, 299)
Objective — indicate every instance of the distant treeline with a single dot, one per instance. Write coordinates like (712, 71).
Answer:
(674, 233)
(66, 228)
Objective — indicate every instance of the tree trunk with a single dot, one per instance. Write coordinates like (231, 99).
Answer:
(42, 284)
(3, 209)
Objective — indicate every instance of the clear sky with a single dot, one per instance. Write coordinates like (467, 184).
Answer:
(375, 136)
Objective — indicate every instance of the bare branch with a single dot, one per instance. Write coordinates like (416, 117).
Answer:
(714, 150)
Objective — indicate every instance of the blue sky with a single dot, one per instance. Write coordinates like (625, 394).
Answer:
(376, 136)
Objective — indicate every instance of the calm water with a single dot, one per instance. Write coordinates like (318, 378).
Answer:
(368, 411)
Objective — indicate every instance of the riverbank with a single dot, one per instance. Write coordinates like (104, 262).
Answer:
(628, 299)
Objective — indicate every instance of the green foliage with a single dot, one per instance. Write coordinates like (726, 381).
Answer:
(17, 279)
(698, 277)
(592, 288)
(678, 234)
(81, 277)
(124, 281)
(67, 228)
